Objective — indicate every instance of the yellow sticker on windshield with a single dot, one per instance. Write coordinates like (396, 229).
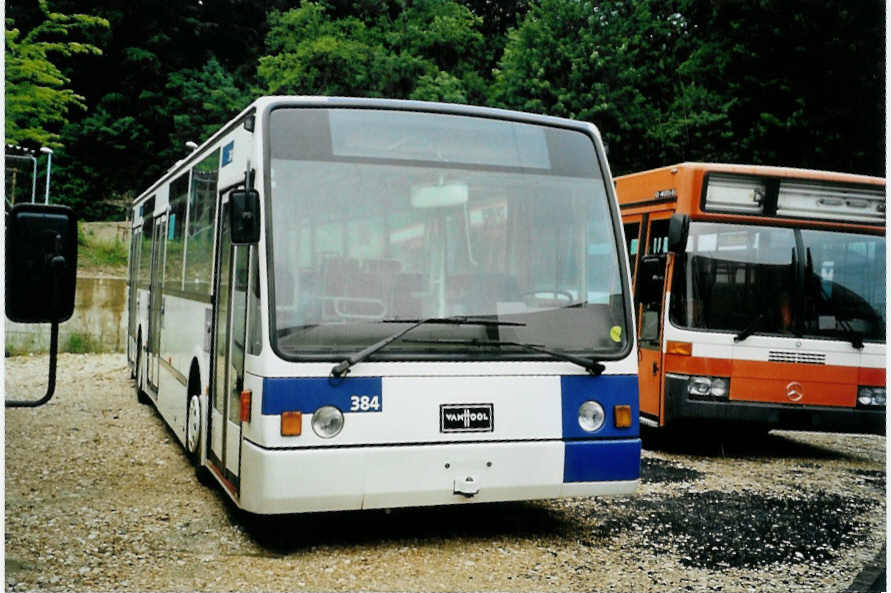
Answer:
(615, 333)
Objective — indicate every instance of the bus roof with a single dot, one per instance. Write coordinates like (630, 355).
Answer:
(762, 170)
(262, 105)
(681, 187)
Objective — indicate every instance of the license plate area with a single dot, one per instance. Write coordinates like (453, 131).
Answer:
(466, 418)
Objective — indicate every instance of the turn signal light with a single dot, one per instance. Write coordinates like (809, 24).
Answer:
(682, 348)
(246, 405)
(622, 416)
(292, 424)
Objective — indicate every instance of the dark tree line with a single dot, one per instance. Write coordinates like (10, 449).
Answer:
(784, 82)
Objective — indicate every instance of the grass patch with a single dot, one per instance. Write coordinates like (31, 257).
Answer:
(81, 343)
(23, 346)
(108, 256)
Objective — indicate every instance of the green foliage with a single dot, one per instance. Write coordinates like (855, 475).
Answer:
(787, 82)
(430, 50)
(81, 343)
(202, 99)
(608, 62)
(37, 97)
(772, 82)
(108, 255)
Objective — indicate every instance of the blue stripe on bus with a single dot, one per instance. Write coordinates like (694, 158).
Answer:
(281, 394)
(601, 461)
(608, 391)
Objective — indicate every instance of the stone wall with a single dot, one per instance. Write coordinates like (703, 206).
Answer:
(99, 323)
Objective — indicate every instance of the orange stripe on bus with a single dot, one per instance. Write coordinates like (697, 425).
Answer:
(785, 391)
(778, 382)
(872, 377)
(799, 372)
(697, 365)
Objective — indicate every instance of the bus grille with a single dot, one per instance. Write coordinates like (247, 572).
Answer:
(799, 357)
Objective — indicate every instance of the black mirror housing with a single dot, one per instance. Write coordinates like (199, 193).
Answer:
(650, 279)
(678, 229)
(244, 210)
(41, 263)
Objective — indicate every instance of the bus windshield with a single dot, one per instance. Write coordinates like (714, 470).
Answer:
(381, 218)
(781, 281)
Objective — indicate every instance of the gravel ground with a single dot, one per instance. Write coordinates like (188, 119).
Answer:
(99, 496)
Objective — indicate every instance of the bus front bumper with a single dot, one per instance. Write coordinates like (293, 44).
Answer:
(680, 408)
(346, 478)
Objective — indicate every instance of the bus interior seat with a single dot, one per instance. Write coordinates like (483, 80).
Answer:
(349, 291)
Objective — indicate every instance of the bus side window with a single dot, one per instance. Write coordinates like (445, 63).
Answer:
(145, 255)
(657, 240)
(176, 228)
(200, 227)
(632, 240)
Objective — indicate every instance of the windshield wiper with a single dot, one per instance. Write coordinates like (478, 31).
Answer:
(577, 305)
(592, 365)
(750, 329)
(849, 333)
(343, 367)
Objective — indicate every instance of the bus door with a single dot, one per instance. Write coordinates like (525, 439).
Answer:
(132, 283)
(229, 346)
(156, 307)
(649, 352)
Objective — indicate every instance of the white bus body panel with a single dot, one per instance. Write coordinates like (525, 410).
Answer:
(399, 456)
(384, 477)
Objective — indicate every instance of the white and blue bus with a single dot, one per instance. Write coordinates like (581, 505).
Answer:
(432, 306)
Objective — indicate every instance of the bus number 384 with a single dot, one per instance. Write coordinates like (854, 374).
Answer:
(363, 403)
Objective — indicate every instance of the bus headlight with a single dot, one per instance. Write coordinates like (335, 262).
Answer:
(327, 421)
(720, 387)
(871, 396)
(591, 416)
(708, 387)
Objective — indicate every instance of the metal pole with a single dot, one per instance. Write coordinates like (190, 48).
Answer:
(49, 167)
(33, 177)
(33, 170)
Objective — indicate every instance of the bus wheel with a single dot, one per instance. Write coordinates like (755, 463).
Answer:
(193, 439)
(141, 395)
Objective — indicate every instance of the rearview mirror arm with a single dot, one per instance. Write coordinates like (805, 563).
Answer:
(51, 382)
(56, 261)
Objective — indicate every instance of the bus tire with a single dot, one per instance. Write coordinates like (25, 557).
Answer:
(194, 417)
(141, 396)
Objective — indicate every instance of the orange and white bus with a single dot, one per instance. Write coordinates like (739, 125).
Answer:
(760, 294)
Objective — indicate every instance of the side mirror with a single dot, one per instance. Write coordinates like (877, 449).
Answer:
(678, 229)
(41, 263)
(244, 216)
(650, 279)
(41, 271)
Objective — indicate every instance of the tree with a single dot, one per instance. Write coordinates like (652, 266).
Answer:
(37, 97)
(609, 62)
(138, 117)
(782, 82)
(429, 50)
(797, 83)
(203, 99)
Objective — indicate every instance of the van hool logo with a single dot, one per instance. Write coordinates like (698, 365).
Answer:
(466, 418)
